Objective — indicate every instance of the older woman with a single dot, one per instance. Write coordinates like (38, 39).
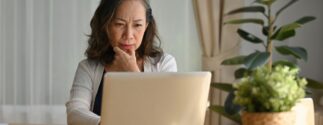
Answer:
(123, 39)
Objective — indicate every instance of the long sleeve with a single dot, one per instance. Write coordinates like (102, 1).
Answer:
(168, 64)
(78, 107)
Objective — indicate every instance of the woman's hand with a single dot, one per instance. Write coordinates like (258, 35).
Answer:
(125, 61)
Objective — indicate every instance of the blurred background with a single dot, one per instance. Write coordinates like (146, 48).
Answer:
(42, 41)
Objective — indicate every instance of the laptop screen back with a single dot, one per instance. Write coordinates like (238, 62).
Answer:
(155, 98)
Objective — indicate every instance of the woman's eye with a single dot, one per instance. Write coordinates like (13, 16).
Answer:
(138, 25)
(119, 24)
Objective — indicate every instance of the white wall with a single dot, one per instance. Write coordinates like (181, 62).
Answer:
(309, 36)
(176, 23)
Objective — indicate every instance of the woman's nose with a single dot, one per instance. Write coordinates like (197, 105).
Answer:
(129, 33)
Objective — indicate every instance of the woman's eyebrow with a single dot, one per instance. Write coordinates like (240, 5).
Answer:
(138, 20)
(120, 19)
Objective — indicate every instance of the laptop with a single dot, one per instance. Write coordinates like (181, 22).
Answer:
(177, 98)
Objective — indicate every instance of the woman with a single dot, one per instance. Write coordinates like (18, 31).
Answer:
(122, 40)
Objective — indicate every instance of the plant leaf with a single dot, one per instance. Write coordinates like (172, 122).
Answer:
(240, 73)
(249, 37)
(256, 59)
(291, 26)
(229, 106)
(286, 6)
(234, 61)
(221, 111)
(223, 86)
(250, 9)
(241, 21)
(297, 52)
(284, 35)
(265, 2)
(313, 84)
(265, 30)
(286, 31)
(305, 19)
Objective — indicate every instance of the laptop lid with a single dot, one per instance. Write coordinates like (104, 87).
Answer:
(155, 98)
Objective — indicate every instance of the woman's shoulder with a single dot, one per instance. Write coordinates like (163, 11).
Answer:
(162, 58)
(89, 63)
(165, 63)
(166, 57)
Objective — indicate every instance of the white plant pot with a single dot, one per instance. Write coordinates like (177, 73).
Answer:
(304, 111)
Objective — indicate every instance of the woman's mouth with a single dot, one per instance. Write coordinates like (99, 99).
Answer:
(126, 46)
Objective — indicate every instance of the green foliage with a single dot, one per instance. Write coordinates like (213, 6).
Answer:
(221, 111)
(223, 86)
(265, 2)
(249, 37)
(239, 73)
(286, 32)
(251, 9)
(250, 20)
(270, 91)
(265, 86)
(305, 19)
(271, 31)
(234, 61)
(297, 52)
(230, 107)
(256, 59)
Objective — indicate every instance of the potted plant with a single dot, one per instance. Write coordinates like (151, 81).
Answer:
(265, 86)
(269, 95)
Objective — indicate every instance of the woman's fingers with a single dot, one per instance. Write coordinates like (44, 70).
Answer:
(133, 52)
(126, 60)
(119, 51)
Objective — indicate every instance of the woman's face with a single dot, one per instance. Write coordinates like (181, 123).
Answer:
(128, 26)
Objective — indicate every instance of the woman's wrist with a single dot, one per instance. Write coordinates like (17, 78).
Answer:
(135, 69)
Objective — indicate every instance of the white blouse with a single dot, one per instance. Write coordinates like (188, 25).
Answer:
(87, 81)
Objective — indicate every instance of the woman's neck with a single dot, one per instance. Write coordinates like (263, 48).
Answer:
(114, 68)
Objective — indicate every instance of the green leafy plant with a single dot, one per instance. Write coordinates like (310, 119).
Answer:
(258, 72)
(277, 90)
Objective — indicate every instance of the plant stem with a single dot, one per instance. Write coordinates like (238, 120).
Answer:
(269, 41)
